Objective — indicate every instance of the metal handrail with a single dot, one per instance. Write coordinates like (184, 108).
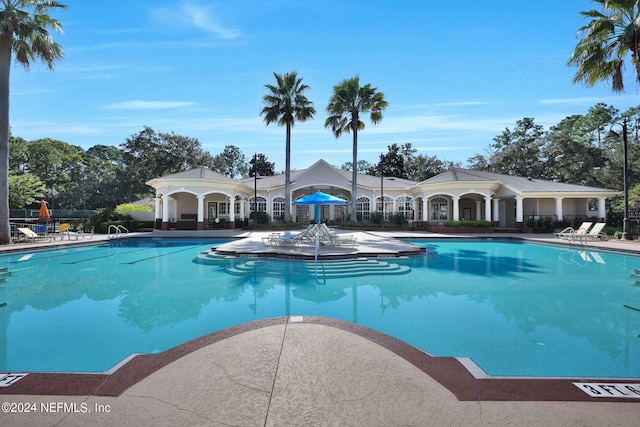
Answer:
(116, 231)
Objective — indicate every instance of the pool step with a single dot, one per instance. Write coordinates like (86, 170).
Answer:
(213, 258)
(347, 268)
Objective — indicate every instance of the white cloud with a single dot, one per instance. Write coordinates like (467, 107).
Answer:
(203, 17)
(195, 15)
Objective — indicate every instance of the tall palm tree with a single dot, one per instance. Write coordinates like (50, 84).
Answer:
(284, 104)
(348, 102)
(605, 41)
(23, 34)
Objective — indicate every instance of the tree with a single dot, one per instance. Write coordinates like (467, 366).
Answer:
(149, 154)
(284, 104)
(611, 35)
(394, 163)
(568, 158)
(348, 102)
(422, 167)
(518, 151)
(262, 166)
(231, 162)
(363, 166)
(23, 32)
(24, 189)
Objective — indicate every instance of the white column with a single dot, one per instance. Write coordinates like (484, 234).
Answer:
(602, 212)
(487, 208)
(165, 208)
(425, 209)
(242, 203)
(158, 208)
(496, 210)
(456, 208)
(200, 208)
(232, 209)
(559, 208)
(519, 210)
(478, 209)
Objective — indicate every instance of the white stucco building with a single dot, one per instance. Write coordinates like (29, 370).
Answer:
(201, 198)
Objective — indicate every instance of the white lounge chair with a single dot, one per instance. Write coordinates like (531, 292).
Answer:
(31, 235)
(595, 233)
(571, 233)
(329, 237)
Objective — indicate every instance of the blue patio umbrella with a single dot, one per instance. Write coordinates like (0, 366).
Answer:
(317, 199)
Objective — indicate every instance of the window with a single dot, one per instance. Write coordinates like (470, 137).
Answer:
(262, 204)
(439, 209)
(388, 205)
(404, 205)
(278, 207)
(363, 209)
(223, 208)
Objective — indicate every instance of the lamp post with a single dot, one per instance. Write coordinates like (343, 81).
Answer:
(625, 167)
(381, 166)
(254, 163)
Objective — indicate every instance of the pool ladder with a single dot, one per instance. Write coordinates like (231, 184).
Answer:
(117, 231)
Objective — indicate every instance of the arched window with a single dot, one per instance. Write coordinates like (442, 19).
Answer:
(388, 206)
(262, 204)
(404, 205)
(439, 209)
(363, 209)
(278, 208)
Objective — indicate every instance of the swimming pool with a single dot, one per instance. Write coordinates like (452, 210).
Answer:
(516, 309)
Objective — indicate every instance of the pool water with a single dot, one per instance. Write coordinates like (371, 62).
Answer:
(516, 309)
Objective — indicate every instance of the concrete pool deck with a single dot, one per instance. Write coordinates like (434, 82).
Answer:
(308, 371)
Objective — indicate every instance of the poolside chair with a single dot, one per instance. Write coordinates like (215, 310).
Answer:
(31, 235)
(329, 237)
(66, 231)
(304, 237)
(595, 233)
(571, 233)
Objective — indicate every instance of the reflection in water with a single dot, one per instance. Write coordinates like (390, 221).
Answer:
(516, 309)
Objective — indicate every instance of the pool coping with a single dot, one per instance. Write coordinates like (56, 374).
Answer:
(451, 372)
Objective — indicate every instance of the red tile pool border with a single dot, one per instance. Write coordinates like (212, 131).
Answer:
(448, 371)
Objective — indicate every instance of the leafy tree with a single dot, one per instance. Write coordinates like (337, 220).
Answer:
(231, 162)
(518, 151)
(422, 167)
(568, 157)
(393, 162)
(363, 166)
(348, 102)
(58, 165)
(593, 125)
(18, 154)
(612, 34)
(105, 179)
(24, 190)
(479, 162)
(262, 166)
(149, 154)
(285, 103)
(23, 35)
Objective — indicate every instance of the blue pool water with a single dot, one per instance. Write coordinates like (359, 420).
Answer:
(514, 308)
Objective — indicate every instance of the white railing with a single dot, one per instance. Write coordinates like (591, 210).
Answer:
(117, 231)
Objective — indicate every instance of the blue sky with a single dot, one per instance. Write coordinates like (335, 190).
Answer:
(455, 74)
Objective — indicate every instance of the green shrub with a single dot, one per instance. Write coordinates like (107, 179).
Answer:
(129, 208)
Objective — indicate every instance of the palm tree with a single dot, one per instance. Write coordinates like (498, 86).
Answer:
(284, 104)
(348, 101)
(23, 34)
(605, 41)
